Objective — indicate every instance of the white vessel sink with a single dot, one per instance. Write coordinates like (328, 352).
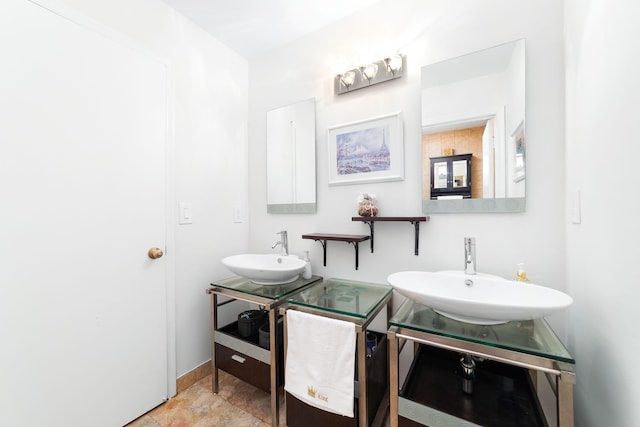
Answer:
(481, 299)
(265, 269)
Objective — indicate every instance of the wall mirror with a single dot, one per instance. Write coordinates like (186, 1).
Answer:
(473, 141)
(291, 158)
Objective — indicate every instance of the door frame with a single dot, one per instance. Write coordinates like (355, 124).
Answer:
(65, 11)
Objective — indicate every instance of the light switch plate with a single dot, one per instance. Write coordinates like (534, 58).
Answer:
(185, 213)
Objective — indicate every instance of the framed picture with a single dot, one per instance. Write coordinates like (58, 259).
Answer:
(369, 150)
(519, 152)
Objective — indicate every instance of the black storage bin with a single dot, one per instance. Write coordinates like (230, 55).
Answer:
(250, 321)
(264, 336)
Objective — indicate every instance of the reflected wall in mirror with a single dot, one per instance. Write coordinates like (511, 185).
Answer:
(291, 158)
(473, 107)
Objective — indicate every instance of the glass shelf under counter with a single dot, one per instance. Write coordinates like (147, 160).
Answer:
(343, 297)
(246, 290)
(530, 346)
(534, 337)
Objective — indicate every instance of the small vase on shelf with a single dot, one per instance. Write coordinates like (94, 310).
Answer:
(367, 205)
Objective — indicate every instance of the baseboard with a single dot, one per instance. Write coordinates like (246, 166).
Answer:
(193, 376)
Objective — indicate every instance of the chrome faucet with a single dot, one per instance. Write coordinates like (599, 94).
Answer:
(470, 255)
(283, 242)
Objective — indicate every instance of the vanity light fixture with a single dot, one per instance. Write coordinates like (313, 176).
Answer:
(388, 68)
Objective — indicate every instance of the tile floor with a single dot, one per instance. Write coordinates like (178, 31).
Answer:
(237, 404)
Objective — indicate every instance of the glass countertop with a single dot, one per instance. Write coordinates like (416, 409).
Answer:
(527, 336)
(273, 292)
(356, 299)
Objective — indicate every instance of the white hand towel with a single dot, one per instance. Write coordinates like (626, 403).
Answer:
(320, 363)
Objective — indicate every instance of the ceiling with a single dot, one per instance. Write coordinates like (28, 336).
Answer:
(253, 27)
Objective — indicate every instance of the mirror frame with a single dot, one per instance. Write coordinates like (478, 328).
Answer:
(485, 205)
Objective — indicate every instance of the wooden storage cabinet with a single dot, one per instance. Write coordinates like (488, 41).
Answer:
(451, 176)
(245, 359)
(301, 414)
(244, 367)
(377, 376)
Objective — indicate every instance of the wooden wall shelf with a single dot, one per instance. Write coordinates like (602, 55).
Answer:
(415, 220)
(354, 239)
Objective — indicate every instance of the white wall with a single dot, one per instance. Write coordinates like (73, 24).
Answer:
(427, 32)
(602, 69)
(483, 95)
(210, 109)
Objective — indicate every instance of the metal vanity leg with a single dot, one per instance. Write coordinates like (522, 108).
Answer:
(392, 341)
(362, 377)
(273, 352)
(565, 399)
(214, 325)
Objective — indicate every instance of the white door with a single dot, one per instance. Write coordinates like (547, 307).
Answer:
(83, 309)
(488, 173)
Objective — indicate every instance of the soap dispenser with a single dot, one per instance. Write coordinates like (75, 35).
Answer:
(521, 275)
(306, 274)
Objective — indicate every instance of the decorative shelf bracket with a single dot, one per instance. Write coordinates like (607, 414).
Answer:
(371, 230)
(354, 239)
(415, 220)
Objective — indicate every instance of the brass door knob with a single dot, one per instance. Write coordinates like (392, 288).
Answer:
(155, 253)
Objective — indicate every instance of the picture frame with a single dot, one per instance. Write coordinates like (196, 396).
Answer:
(370, 150)
(519, 153)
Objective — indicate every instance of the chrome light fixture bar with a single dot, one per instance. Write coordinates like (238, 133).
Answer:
(389, 68)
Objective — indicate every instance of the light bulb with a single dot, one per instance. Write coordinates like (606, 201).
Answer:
(369, 71)
(347, 78)
(394, 63)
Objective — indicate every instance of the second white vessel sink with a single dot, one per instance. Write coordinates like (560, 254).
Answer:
(481, 298)
(265, 269)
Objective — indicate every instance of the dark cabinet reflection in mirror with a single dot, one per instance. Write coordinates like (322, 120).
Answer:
(451, 177)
